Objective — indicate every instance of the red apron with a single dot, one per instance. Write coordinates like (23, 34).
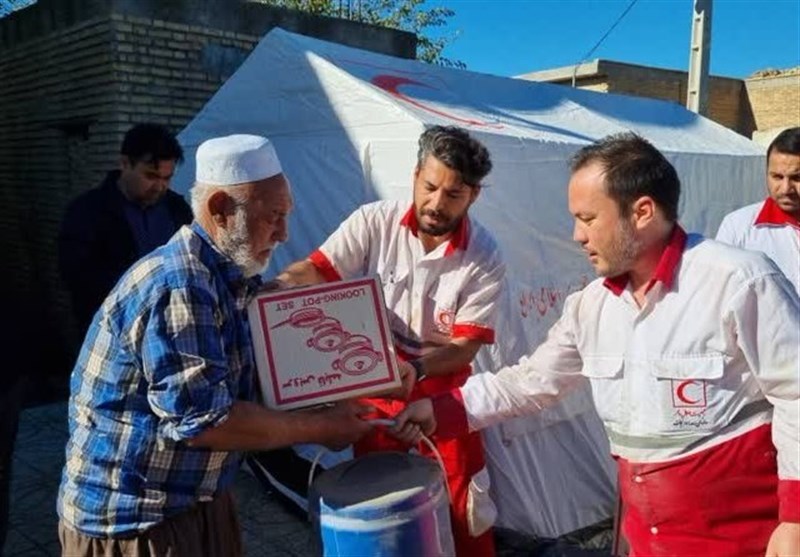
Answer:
(722, 501)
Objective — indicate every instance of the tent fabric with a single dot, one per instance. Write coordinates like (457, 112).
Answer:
(345, 124)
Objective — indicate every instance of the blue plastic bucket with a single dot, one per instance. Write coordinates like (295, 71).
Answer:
(384, 504)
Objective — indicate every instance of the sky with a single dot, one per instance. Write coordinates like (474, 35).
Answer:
(512, 37)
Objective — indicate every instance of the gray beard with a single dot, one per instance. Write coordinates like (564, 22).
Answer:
(235, 243)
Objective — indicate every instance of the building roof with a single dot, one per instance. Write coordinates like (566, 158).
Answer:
(597, 68)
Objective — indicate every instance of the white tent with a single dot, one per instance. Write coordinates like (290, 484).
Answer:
(345, 124)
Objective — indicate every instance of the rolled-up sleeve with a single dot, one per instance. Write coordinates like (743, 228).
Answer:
(189, 383)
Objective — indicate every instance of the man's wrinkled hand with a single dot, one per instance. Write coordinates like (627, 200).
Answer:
(343, 424)
(274, 284)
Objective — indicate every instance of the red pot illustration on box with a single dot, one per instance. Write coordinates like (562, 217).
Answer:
(357, 355)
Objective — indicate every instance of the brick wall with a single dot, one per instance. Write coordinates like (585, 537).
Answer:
(775, 101)
(754, 108)
(74, 76)
(56, 123)
(166, 72)
(727, 99)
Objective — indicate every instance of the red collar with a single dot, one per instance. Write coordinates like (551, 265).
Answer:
(458, 240)
(772, 214)
(665, 270)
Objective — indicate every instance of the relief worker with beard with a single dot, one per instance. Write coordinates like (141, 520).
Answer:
(692, 351)
(162, 393)
(442, 275)
(773, 226)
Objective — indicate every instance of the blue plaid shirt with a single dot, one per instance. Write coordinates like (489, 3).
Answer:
(166, 356)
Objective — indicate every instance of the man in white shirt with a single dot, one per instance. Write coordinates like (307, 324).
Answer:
(773, 226)
(692, 351)
(442, 274)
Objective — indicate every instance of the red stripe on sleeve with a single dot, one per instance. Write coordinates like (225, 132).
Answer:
(324, 266)
(474, 332)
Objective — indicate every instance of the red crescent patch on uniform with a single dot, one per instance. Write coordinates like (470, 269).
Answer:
(444, 321)
(689, 393)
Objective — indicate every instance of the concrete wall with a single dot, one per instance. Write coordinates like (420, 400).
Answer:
(75, 75)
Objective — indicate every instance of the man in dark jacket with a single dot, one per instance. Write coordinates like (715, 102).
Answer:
(106, 229)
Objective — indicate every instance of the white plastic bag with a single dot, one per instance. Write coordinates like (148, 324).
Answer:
(481, 511)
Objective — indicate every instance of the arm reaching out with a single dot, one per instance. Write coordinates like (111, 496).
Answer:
(534, 383)
(253, 427)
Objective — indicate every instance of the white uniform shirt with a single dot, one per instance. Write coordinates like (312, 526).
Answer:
(714, 349)
(450, 292)
(766, 228)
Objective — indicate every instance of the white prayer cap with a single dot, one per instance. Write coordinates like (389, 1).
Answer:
(236, 159)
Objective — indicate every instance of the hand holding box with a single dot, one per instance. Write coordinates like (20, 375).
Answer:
(322, 343)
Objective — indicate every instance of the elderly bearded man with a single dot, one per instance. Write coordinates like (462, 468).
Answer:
(162, 391)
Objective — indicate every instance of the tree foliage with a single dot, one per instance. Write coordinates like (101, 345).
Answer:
(427, 23)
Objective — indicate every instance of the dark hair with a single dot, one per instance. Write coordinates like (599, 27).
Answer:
(788, 142)
(151, 143)
(633, 168)
(456, 149)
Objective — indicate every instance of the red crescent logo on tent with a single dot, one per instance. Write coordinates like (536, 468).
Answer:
(391, 83)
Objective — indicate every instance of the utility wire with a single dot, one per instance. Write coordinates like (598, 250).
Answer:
(607, 33)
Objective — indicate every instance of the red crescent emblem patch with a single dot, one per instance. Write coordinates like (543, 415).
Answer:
(690, 393)
(444, 321)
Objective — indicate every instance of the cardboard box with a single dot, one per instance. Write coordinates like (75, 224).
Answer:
(322, 343)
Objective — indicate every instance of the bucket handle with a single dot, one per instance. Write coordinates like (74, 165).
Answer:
(385, 423)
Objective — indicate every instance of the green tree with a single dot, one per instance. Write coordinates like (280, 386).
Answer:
(427, 23)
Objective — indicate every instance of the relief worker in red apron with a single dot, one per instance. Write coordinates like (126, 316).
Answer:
(691, 349)
(442, 276)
